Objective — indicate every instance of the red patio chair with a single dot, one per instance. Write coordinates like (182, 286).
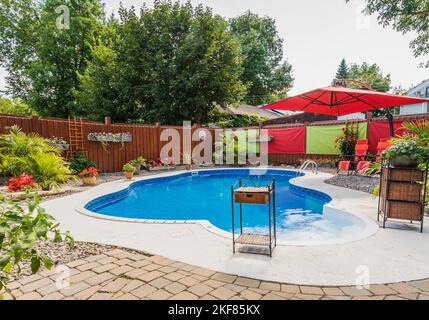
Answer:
(361, 150)
(382, 145)
(362, 167)
(343, 166)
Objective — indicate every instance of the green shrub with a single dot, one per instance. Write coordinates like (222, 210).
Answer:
(79, 161)
(31, 154)
(48, 170)
(128, 167)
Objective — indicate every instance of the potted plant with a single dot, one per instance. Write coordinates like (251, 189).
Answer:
(89, 176)
(128, 170)
(404, 153)
(187, 160)
(139, 163)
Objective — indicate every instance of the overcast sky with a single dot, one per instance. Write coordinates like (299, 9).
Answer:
(318, 34)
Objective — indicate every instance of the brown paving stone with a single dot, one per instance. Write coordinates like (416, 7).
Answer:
(175, 287)
(235, 287)
(247, 282)
(208, 297)
(199, 278)
(132, 285)
(184, 296)
(96, 257)
(53, 296)
(87, 266)
(339, 297)
(284, 294)
(76, 263)
(307, 296)
(140, 263)
(403, 287)
(260, 291)
(143, 291)
(107, 260)
(29, 279)
(101, 296)
(223, 277)
(422, 285)
(410, 296)
(100, 278)
(272, 296)
(394, 298)
(120, 270)
(174, 276)
(354, 291)
(167, 269)
(311, 290)
(222, 293)
(188, 281)
(147, 277)
(32, 286)
(250, 295)
(82, 276)
(214, 283)
(115, 285)
(200, 289)
(159, 295)
(48, 289)
(124, 261)
(270, 286)
(290, 288)
(381, 289)
(236, 298)
(152, 266)
(332, 291)
(33, 295)
(74, 288)
(135, 273)
(127, 296)
(203, 272)
(87, 293)
(160, 282)
(104, 267)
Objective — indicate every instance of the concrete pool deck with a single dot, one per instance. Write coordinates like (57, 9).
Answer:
(384, 256)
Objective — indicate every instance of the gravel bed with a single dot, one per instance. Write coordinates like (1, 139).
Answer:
(359, 183)
(61, 253)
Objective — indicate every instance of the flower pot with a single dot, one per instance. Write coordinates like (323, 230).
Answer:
(404, 162)
(89, 181)
(129, 175)
(188, 167)
(138, 167)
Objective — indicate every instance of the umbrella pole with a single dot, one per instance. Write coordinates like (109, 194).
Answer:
(389, 117)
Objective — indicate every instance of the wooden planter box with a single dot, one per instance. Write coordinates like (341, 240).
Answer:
(404, 210)
(251, 195)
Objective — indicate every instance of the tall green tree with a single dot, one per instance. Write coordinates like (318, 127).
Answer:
(265, 71)
(371, 75)
(405, 16)
(43, 46)
(167, 64)
(15, 106)
(343, 71)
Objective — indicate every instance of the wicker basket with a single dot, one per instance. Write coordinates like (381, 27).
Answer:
(398, 174)
(251, 195)
(404, 210)
(402, 191)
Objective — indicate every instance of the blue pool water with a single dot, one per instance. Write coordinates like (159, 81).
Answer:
(206, 195)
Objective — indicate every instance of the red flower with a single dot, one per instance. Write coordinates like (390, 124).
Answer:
(89, 172)
(21, 183)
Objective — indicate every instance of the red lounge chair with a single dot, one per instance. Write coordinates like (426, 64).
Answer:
(382, 145)
(343, 166)
(362, 166)
(361, 150)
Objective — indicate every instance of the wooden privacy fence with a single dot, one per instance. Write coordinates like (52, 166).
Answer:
(146, 138)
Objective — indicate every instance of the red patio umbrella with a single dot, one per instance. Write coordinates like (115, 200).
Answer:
(338, 101)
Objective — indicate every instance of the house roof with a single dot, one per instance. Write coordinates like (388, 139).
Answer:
(254, 111)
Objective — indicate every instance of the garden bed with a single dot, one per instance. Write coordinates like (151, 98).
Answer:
(359, 183)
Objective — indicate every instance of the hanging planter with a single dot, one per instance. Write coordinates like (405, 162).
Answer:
(110, 137)
(105, 138)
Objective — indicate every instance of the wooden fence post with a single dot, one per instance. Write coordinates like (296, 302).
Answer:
(35, 124)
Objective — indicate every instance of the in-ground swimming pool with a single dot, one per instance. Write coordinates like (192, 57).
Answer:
(206, 195)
